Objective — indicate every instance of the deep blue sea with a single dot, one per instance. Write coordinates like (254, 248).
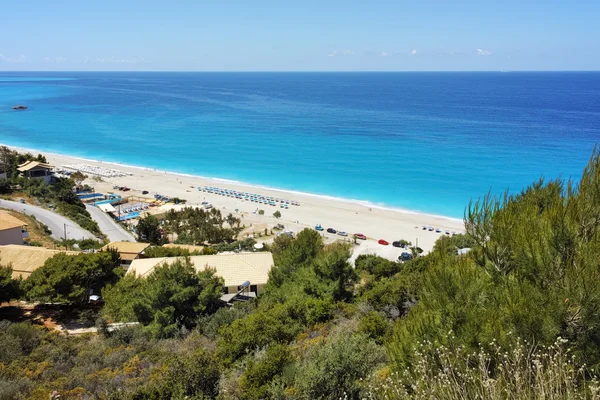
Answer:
(419, 141)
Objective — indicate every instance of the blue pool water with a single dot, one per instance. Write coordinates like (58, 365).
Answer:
(420, 141)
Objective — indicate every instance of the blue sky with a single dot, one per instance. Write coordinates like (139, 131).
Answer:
(242, 35)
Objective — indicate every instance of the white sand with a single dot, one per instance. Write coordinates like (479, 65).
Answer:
(376, 223)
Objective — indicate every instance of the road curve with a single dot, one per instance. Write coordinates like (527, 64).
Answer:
(55, 222)
(108, 226)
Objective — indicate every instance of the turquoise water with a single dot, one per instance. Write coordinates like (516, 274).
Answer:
(419, 141)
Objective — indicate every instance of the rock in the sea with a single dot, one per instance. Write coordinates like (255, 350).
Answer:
(19, 107)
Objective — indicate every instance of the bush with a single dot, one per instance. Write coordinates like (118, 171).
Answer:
(335, 370)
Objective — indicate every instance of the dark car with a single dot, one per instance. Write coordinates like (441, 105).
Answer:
(145, 192)
(405, 257)
(396, 244)
(331, 230)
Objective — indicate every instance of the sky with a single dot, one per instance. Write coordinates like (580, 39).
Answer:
(307, 35)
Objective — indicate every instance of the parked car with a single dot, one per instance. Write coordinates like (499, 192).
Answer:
(342, 233)
(405, 257)
(318, 227)
(331, 230)
(22, 201)
(145, 192)
(360, 236)
(383, 242)
(396, 244)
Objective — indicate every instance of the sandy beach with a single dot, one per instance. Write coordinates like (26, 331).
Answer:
(374, 222)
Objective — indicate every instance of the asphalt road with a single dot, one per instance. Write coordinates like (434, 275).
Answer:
(55, 222)
(108, 226)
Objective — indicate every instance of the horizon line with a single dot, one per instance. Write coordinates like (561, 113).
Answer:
(303, 71)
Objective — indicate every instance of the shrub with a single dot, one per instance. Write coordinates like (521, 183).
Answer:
(335, 370)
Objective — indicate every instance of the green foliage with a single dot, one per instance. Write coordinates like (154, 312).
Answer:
(197, 226)
(335, 369)
(377, 266)
(277, 214)
(261, 212)
(210, 325)
(17, 340)
(159, 251)
(72, 278)
(261, 369)
(333, 264)
(148, 230)
(257, 330)
(375, 325)
(9, 288)
(532, 273)
(78, 177)
(189, 376)
(82, 244)
(291, 254)
(4, 186)
(168, 301)
(238, 245)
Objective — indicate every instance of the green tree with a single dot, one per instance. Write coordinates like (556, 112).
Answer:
(277, 214)
(170, 299)
(9, 288)
(72, 278)
(148, 230)
(377, 266)
(78, 177)
(333, 264)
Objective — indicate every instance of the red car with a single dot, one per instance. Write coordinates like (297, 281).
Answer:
(383, 242)
(360, 236)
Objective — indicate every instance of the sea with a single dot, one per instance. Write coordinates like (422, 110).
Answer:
(418, 141)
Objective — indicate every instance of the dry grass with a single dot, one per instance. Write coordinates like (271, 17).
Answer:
(523, 372)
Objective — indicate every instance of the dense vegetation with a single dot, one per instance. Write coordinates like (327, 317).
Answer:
(58, 194)
(190, 225)
(516, 317)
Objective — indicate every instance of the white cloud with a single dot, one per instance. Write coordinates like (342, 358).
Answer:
(413, 52)
(13, 59)
(481, 52)
(340, 53)
(384, 54)
(55, 59)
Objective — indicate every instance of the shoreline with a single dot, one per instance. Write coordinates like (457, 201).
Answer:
(364, 203)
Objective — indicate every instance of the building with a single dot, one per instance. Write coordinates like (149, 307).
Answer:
(26, 259)
(12, 229)
(236, 269)
(189, 247)
(36, 169)
(128, 251)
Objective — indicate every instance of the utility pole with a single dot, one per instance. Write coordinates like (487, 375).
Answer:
(65, 236)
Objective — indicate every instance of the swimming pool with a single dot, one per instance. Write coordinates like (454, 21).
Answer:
(129, 216)
(89, 196)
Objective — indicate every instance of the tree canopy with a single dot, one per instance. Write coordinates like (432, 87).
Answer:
(72, 278)
(170, 299)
